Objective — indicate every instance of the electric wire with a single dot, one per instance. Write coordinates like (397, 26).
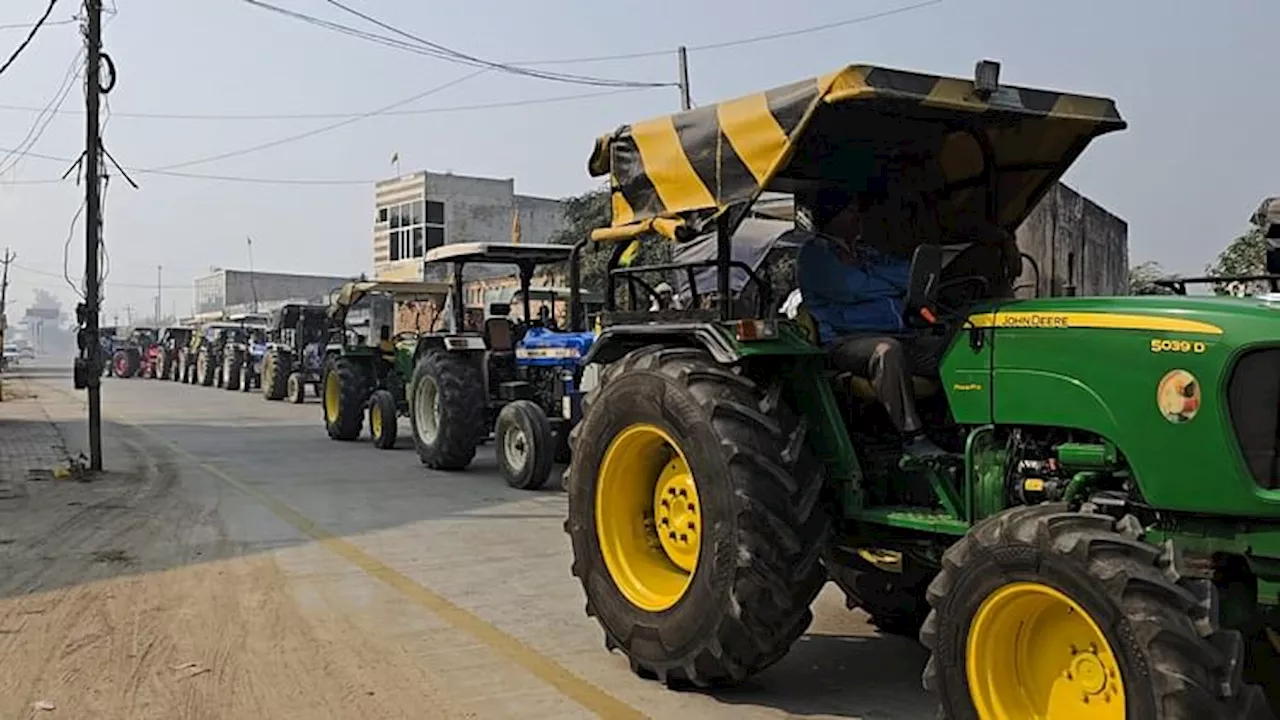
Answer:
(423, 46)
(46, 115)
(30, 36)
(856, 20)
(337, 116)
(317, 131)
(464, 57)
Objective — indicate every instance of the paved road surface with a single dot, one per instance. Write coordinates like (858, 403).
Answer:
(235, 562)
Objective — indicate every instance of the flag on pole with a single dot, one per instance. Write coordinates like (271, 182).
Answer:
(515, 224)
(395, 158)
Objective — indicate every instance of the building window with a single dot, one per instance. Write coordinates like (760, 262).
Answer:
(434, 224)
(415, 228)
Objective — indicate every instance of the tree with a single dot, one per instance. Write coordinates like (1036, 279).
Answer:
(1246, 255)
(591, 210)
(1142, 279)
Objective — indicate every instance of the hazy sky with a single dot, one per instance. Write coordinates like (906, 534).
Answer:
(1194, 79)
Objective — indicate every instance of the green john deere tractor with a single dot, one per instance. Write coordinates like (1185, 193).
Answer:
(1101, 537)
(367, 366)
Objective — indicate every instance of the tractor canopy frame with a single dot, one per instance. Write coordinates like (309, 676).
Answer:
(527, 257)
(983, 155)
(352, 292)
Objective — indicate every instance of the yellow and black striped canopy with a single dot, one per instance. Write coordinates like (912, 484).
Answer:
(685, 168)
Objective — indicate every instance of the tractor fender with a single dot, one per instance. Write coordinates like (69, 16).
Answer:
(616, 341)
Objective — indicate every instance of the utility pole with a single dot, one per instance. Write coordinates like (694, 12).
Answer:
(93, 222)
(686, 101)
(128, 313)
(159, 286)
(9, 257)
(4, 295)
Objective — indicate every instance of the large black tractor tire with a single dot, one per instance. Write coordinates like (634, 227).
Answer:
(162, 365)
(447, 409)
(895, 601)
(763, 526)
(1020, 580)
(384, 419)
(524, 445)
(233, 370)
(275, 375)
(346, 390)
(125, 363)
(296, 389)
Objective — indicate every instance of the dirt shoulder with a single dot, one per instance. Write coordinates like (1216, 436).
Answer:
(124, 598)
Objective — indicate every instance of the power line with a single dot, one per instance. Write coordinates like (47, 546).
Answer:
(857, 20)
(319, 130)
(512, 103)
(193, 176)
(143, 286)
(335, 116)
(49, 23)
(46, 116)
(423, 46)
(30, 36)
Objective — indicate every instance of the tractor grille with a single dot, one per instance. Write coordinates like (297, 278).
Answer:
(1253, 397)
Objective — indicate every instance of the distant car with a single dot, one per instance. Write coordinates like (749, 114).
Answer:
(11, 354)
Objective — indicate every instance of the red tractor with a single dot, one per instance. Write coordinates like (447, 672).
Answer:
(135, 355)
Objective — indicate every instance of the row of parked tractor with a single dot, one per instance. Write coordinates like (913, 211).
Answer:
(459, 381)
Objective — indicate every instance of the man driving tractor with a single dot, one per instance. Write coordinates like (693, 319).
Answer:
(853, 276)
(854, 287)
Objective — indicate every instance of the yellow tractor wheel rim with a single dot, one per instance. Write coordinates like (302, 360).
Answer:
(375, 421)
(648, 517)
(1035, 654)
(332, 397)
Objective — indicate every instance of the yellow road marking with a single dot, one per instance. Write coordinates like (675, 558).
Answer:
(540, 666)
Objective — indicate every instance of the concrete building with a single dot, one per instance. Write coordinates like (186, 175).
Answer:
(1080, 247)
(417, 212)
(238, 291)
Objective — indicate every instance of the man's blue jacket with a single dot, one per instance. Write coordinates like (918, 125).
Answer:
(866, 295)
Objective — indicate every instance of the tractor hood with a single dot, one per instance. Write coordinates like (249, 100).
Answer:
(543, 346)
(1238, 320)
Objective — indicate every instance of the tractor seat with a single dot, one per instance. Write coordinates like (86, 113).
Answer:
(498, 335)
(922, 387)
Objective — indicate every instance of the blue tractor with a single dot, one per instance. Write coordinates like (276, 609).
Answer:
(516, 380)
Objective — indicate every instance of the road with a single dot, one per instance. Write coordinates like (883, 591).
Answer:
(235, 562)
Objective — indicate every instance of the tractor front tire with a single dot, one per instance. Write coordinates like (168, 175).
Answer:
(447, 409)
(383, 419)
(1039, 602)
(346, 388)
(125, 363)
(524, 445)
(275, 375)
(696, 518)
(233, 370)
(296, 389)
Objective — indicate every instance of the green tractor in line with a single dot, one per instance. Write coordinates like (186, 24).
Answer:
(296, 343)
(1101, 538)
(366, 366)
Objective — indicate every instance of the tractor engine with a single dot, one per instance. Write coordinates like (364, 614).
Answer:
(1050, 469)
